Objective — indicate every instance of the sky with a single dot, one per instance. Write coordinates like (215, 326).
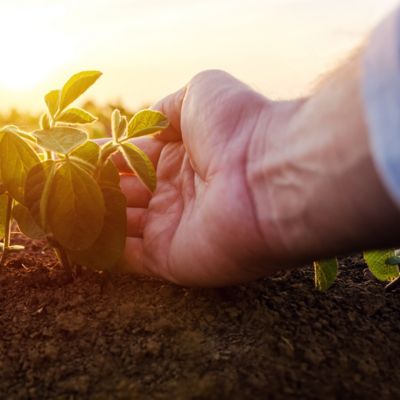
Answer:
(148, 49)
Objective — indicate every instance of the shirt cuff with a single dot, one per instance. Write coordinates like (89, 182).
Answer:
(381, 97)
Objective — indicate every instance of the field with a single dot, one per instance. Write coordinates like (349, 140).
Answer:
(126, 338)
(94, 337)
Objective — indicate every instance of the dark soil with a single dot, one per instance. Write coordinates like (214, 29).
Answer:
(276, 338)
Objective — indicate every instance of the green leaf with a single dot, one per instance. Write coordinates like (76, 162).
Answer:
(44, 122)
(119, 124)
(146, 122)
(395, 260)
(109, 175)
(3, 212)
(12, 129)
(77, 85)
(115, 121)
(108, 247)
(140, 165)
(75, 208)
(60, 139)
(88, 152)
(52, 100)
(122, 127)
(37, 189)
(16, 159)
(26, 222)
(325, 273)
(376, 261)
(76, 116)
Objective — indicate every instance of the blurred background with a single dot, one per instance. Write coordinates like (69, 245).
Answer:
(147, 49)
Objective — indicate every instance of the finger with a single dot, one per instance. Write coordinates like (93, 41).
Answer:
(132, 258)
(171, 106)
(136, 220)
(136, 193)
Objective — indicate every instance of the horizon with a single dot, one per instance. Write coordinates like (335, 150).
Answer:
(279, 47)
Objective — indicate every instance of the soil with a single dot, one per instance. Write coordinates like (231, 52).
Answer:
(127, 338)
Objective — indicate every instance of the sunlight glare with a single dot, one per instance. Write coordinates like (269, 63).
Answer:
(32, 51)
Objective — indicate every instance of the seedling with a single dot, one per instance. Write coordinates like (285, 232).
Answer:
(383, 264)
(325, 272)
(60, 186)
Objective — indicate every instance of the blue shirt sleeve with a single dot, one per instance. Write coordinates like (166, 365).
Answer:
(381, 98)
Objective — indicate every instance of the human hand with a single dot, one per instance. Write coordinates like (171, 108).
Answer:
(199, 228)
(247, 185)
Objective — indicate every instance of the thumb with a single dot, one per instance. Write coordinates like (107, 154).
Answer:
(171, 106)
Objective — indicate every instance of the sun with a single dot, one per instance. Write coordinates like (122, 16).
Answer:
(30, 52)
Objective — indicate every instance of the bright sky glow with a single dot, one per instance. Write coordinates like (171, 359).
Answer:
(147, 49)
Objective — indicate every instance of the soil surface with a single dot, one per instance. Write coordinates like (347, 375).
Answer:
(127, 338)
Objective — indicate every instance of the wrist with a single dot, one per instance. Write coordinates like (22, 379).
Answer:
(270, 180)
(315, 188)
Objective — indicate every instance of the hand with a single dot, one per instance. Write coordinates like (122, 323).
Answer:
(247, 185)
(199, 228)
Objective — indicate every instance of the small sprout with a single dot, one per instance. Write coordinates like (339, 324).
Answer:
(76, 116)
(17, 157)
(26, 222)
(378, 265)
(44, 122)
(76, 86)
(58, 185)
(52, 100)
(118, 125)
(75, 207)
(140, 164)
(62, 139)
(146, 122)
(115, 122)
(325, 273)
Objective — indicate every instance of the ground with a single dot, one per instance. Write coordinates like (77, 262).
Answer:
(127, 338)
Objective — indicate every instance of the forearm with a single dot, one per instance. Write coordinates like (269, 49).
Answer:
(316, 191)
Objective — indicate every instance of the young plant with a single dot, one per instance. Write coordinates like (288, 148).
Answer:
(64, 187)
(383, 264)
(325, 272)
(17, 157)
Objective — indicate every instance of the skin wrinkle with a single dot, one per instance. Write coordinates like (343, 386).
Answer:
(308, 169)
(282, 173)
(248, 186)
(184, 105)
(187, 175)
(168, 264)
(139, 219)
(262, 168)
(148, 257)
(296, 220)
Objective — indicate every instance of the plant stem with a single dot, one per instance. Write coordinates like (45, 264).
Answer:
(393, 285)
(62, 257)
(61, 254)
(107, 150)
(7, 230)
